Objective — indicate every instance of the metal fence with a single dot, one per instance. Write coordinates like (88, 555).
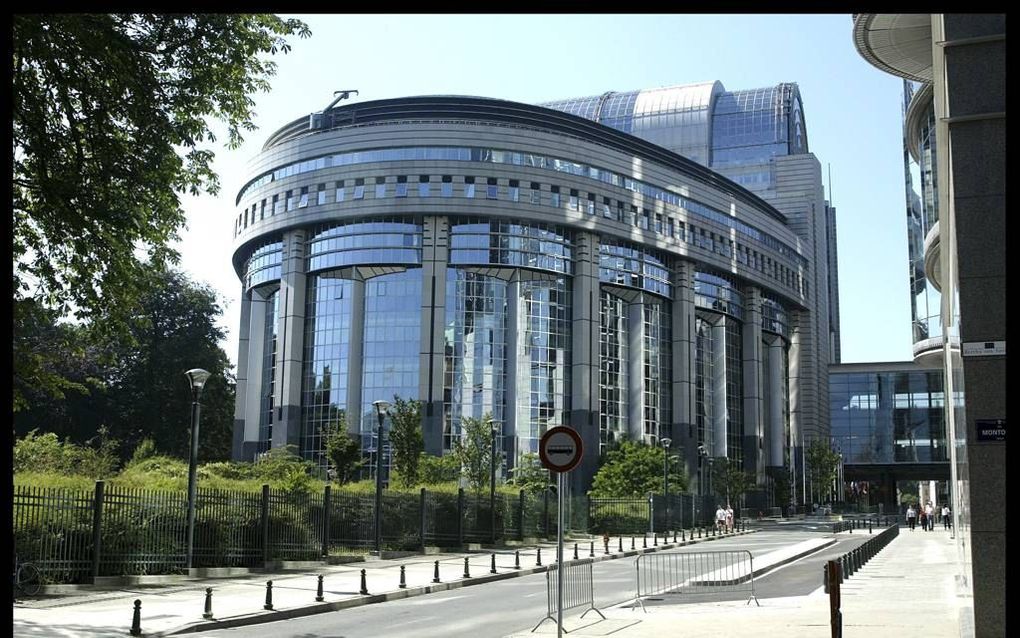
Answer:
(690, 573)
(578, 588)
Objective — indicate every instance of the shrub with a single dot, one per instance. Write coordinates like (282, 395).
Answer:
(40, 453)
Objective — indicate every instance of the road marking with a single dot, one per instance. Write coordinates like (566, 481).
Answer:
(431, 601)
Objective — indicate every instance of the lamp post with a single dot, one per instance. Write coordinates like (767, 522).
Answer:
(492, 481)
(381, 407)
(665, 442)
(197, 378)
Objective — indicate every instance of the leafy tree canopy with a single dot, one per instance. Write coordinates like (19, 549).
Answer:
(635, 469)
(343, 452)
(529, 475)
(112, 122)
(474, 450)
(729, 480)
(406, 440)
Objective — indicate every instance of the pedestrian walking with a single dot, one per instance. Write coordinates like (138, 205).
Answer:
(720, 517)
(929, 514)
(729, 518)
(922, 518)
(945, 517)
(911, 517)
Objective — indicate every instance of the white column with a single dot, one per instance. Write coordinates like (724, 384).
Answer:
(290, 342)
(720, 447)
(636, 370)
(356, 421)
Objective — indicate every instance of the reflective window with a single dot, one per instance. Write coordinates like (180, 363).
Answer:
(491, 188)
(514, 191)
(718, 292)
(423, 186)
(554, 196)
(573, 201)
(774, 317)
(503, 242)
(734, 391)
(657, 360)
(614, 369)
(359, 188)
(264, 265)
(266, 407)
(627, 264)
(380, 187)
(469, 187)
(340, 191)
(321, 195)
(536, 193)
(383, 241)
(447, 186)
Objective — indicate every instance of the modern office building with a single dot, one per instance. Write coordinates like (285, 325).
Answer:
(888, 424)
(955, 124)
(483, 256)
(757, 138)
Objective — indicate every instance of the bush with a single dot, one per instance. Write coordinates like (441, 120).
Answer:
(146, 449)
(434, 470)
(40, 453)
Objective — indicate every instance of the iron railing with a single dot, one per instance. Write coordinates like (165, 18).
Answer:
(689, 573)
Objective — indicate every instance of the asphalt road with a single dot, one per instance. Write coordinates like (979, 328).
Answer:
(518, 604)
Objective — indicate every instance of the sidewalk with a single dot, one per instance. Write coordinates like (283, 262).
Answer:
(907, 590)
(237, 601)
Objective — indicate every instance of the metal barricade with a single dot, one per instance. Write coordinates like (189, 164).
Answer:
(578, 589)
(690, 573)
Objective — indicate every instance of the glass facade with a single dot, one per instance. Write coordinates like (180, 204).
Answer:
(630, 265)
(734, 391)
(327, 355)
(704, 387)
(889, 417)
(657, 362)
(268, 372)
(370, 242)
(614, 368)
(503, 242)
(542, 359)
(475, 352)
(264, 265)
(719, 293)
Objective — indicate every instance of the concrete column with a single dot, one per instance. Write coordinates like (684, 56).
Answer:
(800, 335)
(720, 446)
(253, 395)
(684, 433)
(584, 376)
(636, 369)
(241, 389)
(753, 402)
(356, 421)
(514, 375)
(290, 342)
(435, 256)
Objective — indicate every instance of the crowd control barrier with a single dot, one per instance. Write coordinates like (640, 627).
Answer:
(692, 573)
(578, 588)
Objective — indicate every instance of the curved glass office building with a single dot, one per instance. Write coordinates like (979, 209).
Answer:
(483, 256)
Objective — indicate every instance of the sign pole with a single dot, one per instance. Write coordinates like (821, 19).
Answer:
(559, 555)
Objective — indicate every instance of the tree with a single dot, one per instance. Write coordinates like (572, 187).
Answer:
(112, 122)
(635, 469)
(729, 480)
(822, 465)
(438, 469)
(138, 387)
(406, 439)
(529, 475)
(342, 450)
(474, 448)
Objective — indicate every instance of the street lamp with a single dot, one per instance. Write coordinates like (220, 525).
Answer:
(381, 407)
(665, 442)
(492, 481)
(197, 378)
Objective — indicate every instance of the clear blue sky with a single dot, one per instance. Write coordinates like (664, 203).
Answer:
(852, 112)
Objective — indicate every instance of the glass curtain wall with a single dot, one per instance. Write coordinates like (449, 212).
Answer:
(704, 390)
(613, 368)
(543, 359)
(268, 372)
(475, 337)
(326, 358)
(657, 367)
(734, 391)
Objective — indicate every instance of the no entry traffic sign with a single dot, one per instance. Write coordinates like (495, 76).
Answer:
(560, 449)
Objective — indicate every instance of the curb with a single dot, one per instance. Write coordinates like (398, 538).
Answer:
(320, 608)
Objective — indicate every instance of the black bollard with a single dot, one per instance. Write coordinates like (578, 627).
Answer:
(538, 558)
(467, 570)
(403, 580)
(591, 549)
(644, 542)
(620, 538)
(869, 525)
(575, 551)
(364, 585)
(632, 542)
(318, 591)
(655, 539)
(825, 577)
(492, 568)
(517, 559)
(269, 595)
(136, 619)
(207, 614)
(674, 536)
(683, 536)
(435, 575)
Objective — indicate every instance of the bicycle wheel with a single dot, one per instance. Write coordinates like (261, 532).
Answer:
(29, 579)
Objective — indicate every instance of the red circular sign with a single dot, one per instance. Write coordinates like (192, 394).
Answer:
(560, 449)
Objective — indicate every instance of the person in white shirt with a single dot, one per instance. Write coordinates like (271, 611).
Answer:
(945, 517)
(720, 517)
(729, 518)
(929, 513)
(911, 517)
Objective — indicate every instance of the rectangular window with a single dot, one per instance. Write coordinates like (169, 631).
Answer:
(277, 205)
(620, 214)
(536, 193)
(645, 218)
(491, 188)
(423, 186)
(554, 196)
(607, 210)
(380, 187)
(245, 217)
(515, 190)
(658, 223)
(469, 187)
(291, 200)
(591, 203)
(262, 210)
(446, 190)
(401, 185)
(359, 188)
(322, 195)
(670, 228)
(572, 202)
(633, 215)
(303, 201)
(340, 191)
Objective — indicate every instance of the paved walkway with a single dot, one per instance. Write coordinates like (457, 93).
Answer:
(907, 590)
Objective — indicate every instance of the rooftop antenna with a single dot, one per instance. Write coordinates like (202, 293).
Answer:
(343, 95)
(324, 121)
